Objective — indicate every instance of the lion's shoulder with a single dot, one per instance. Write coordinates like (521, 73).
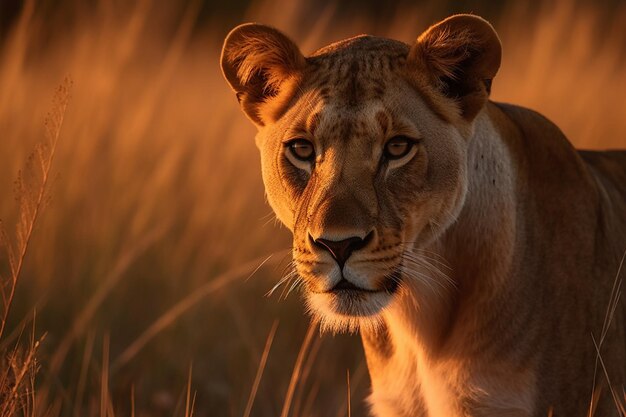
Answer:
(588, 186)
(541, 148)
(535, 129)
(546, 145)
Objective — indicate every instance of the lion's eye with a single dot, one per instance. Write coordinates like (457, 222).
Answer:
(301, 149)
(398, 147)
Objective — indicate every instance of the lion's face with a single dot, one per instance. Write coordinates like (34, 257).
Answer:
(362, 160)
(360, 185)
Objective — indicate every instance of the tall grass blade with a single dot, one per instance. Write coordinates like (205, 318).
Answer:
(261, 368)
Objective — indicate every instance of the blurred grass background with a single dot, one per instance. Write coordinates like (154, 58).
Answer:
(157, 197)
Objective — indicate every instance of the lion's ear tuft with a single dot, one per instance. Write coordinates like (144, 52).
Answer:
(462, 55)
(257, 61)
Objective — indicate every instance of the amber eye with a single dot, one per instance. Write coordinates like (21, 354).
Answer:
(398, 146)
(301, 149)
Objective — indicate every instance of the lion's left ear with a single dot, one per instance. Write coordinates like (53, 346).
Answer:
(461, 55)
(260, 64)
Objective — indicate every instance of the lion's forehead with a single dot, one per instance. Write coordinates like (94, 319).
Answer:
(362, 44)
(361, 127)
(357, 70)
(366, 126)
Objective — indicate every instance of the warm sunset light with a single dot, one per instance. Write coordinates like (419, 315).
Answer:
(153, 264)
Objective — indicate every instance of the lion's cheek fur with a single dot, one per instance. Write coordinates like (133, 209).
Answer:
(429, 215)
(277, 190)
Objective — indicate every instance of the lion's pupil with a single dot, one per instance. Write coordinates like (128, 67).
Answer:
(398, 148)
(302, 150)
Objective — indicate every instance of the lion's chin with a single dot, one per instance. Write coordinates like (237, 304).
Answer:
(348, 311)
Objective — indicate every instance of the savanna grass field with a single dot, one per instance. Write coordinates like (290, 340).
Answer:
(138, 254)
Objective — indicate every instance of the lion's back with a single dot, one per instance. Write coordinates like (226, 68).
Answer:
(609, 168)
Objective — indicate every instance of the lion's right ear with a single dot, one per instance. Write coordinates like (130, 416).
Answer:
(260, 64)
(462, 55)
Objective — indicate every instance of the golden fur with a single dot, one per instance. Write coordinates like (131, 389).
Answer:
(488, 254)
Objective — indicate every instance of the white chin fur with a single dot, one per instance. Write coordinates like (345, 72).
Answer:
(339, 314)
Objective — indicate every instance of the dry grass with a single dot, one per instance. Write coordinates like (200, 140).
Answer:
(138, 266)
(19, 367)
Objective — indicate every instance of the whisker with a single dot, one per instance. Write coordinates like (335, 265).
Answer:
(269, 218)
(297, 283)
(292, 275)
(426, 270)
(288, 273)
(435, 256)
(421, 278)
(432, 260)
(442, 277)
(425, 262)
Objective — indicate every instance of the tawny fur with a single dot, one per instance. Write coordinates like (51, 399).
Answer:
(506, 241)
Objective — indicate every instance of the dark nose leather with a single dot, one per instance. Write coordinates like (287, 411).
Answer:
(341, 250)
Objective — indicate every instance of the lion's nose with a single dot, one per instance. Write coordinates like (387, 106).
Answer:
(341, 250)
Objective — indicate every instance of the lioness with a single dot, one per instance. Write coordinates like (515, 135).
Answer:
(473, 247)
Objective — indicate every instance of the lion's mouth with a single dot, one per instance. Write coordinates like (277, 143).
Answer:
(348, 307)
(345, 286)
(389, 285)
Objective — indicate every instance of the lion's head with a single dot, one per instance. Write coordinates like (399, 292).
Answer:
(363, 147)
